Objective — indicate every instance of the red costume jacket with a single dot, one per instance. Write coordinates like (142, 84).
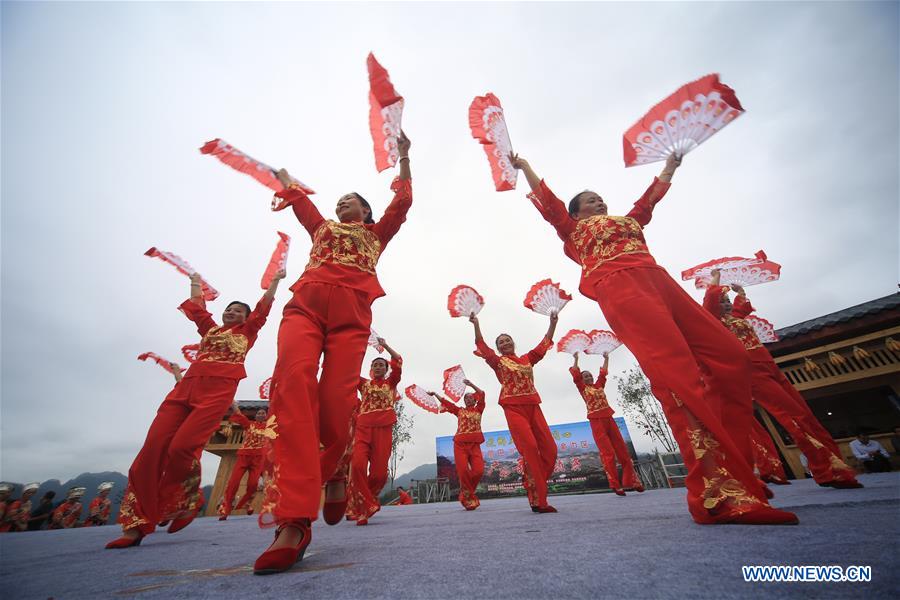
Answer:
(377, 398)
(468, 428)
(515, 373)
(594, 396)
(345, 254)
(602, 244)
(736, 322)
(223, 348)
(255, 441)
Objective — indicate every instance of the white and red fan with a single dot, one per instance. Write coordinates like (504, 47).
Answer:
(602, 342)
(574, 341)
(248, 165)
(373, 341)
(265, 389)
(464, 301)
(681, 122)
(488, 126)
(165, 364)
(278, 260)
(764, 330)
(546, 297)
(422, 399)
(385, 114)
(454, 382)
(190, 352)
(735, 269)
(182, 266)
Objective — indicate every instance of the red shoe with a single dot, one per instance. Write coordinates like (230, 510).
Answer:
(249, 510)
(639, 489)
(125, 542)
(619, 492)
(769, 493)
(333, 510)
(281, 559)
(223, 517)
(764, 516)
(845, 485)
(179, 524)
(775, 480)
(546, 509)
(162, 523)
(362, 521)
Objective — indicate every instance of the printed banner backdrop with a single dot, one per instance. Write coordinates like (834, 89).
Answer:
(578, 466)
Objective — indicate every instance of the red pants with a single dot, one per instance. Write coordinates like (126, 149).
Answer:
(679, 346)
(320, 321)
(536, 445)
(470, 468)
(774, 392)
(252, 464)
(368, 470)
(765, 456)
(611, 445)
(184, 422)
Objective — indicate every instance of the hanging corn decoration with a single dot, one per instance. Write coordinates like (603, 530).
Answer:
(810, 367)
(860, 354)
(892, 344)
(836, 359)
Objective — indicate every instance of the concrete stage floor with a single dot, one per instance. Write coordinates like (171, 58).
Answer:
(597, 546)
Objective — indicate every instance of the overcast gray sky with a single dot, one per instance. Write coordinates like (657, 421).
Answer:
(104, 106)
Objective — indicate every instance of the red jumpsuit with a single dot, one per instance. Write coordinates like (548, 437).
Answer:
(678, 346)
(98, 512)
(372, 442)
(774, 392)
(329, 316)
(765, 456)
(159, 476)
(404, 498)
(467, 448)
(15, 517)
(606, 433)
(66, 515)
(527, 426)
(251, 459)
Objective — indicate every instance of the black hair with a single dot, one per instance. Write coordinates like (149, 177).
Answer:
(368, 220)
(497, 339)
(244, 305)
(575, 204)
(386, 363)
(400, 487)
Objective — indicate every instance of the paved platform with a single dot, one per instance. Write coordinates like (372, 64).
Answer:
(597, 546)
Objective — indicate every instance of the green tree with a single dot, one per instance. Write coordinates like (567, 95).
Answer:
(402, 434)
(643, 408)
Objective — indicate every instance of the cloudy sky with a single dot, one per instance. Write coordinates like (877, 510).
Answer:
(104, 106)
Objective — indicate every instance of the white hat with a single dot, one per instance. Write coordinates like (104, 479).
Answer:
(106, 485)
(6, 487)
(75, 492)
(31, 486)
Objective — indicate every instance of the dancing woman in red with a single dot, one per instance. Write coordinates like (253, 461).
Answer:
(372, 441)
(774, 392)
(251, 459)
(678, 345)
(328, 318)
(606, 433)
(189, 415)
(521, 405)
(467, 443)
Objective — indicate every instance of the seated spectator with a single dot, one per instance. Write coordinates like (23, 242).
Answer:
(405, 498)
(870, 453)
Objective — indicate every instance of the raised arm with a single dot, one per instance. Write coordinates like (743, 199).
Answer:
(741, 306)
(445, 404)
(551, 208)
(554, 319)
(712, 298)
(604, 371)
(177, 373)
(305, 211)
(575, 371)
(489, 356)
(643, 208)
(257, 317)
(195, 307)
(238, 417)
(538, 352)
(196, 289)
(395, 214)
